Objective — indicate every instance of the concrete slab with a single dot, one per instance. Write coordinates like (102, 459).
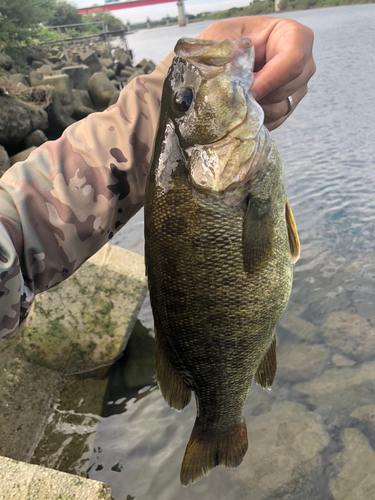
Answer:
(85, 322)
(20, 481)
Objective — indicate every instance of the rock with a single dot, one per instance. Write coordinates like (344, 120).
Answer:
(4, 160)
(22, 156)
(107, 63)
(6, 62)
(339, 360)
(366, 413)
(110, 74)
(36, 65)
(298, 326)
(36, 138)
(22, 86)
(46, 69)
(284, 451)
(101, 90)
(62, 85)
(35, 78)
(300, 362)
(356, 479)
(341, 387)
(91, 60)
(350, 334)
(18, 119)
(125, 73)
(58, 119)
(18, 78)
(123, 61)
(83, 104)
(146, 66)
(79, 75)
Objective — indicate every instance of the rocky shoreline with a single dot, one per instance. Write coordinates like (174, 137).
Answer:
(58, 86)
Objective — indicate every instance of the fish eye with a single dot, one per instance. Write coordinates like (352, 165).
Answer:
(183, 99)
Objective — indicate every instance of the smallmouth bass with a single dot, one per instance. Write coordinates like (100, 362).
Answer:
(220, 242)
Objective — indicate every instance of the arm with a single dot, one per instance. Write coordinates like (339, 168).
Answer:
(70, 196)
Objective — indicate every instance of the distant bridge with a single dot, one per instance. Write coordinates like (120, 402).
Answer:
(116, 5)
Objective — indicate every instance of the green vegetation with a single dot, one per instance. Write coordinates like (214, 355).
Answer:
(24, 22)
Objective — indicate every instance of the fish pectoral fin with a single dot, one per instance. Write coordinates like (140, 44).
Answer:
(258, 236)
(266, 372)
(294, 243)
(207, 450)
(171, 385)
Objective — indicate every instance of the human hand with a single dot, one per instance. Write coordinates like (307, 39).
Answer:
(283, 60)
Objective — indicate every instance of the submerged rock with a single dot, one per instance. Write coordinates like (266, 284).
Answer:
(356, 479)
(298, 326)
(350, 334)
(284, 447)
(341, 387)
(300, 362)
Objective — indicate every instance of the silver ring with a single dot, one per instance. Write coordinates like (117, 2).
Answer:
(290, 105)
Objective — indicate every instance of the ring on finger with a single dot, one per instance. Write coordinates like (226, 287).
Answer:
(290, 105)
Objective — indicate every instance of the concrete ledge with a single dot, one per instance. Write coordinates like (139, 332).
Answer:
(20, 481)
(85, 322)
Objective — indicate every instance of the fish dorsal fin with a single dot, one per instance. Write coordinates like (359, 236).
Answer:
(266, 372)
(294, 243)
(258, 236)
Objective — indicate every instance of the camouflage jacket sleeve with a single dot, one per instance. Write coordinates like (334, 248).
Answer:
(71, 195)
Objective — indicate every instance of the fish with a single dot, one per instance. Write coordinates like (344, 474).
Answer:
(220, 244)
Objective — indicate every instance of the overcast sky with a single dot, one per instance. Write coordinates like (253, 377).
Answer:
(154, 12)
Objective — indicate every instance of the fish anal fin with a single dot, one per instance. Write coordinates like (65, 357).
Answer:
(266, 372)
(171, 385)
(205, 451)
(294, 243)
(258, 236)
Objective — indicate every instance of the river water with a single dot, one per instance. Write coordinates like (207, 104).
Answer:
(313, 436)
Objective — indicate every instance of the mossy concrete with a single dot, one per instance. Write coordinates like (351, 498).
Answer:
(21, 481)
(86, 321)
(81, 325)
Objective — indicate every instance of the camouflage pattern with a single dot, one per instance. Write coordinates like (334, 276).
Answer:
(70, 196)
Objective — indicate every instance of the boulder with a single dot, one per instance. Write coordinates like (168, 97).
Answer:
(6, 62)
(123, 61)
(46, 69)
(107, 63)
(58, 118)
(83, 104)
(35, 78)
(22, 156)
(36, 65)
(79, 75)
(36, 138)
(91, 60)
(109, 73)
(136, 73)
(18, 78)
(4, 160)
(18, 119)
(62, 85)
(101, 90)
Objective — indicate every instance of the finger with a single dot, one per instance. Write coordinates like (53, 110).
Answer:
(285, 58)
(276, 114)
(279, 95)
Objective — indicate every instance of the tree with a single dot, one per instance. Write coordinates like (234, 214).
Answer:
(65, 13)
(20, 20)
(112, 22)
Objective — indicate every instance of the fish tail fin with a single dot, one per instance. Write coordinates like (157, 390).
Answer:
(171, 385)
(206, 450)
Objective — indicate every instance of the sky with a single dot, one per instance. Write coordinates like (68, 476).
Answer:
(155, 12)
